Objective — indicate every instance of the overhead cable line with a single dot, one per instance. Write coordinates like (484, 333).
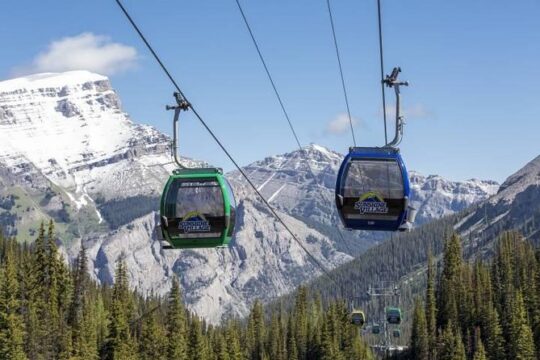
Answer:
(384, 81)
(281, 103)
(216, 139)
(285, 113)
(381, 58)
(341, 70)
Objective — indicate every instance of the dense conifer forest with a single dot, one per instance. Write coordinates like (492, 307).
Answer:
(480, 310)
(469, 310)
(49, 310)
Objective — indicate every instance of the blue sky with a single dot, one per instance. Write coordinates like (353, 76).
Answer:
(473, 105)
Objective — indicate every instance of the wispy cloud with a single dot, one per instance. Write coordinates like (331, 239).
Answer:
(416, 111)
(340, 124)
(85, 51)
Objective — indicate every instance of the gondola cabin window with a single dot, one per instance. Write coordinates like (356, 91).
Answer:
(195, 209)
(373, 189)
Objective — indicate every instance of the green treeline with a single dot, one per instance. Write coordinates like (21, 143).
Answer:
(51, 311)
(480, 311)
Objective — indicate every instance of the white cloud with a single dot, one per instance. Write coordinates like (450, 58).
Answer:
(86, 51)
(340, 124)
(416, 111)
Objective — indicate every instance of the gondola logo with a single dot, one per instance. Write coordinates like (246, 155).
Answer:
(194, 221)
(371, 203)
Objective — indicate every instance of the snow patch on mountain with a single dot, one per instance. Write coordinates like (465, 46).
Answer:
(435, 197)
(51, 81)
(70, 153)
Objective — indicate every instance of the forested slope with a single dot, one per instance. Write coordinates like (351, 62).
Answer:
(51, 311)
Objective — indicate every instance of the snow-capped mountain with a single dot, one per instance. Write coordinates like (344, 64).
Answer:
(516, 207)
(68, 152)
(286, 181)
(68, 124)
(435, 196)
(65, 145)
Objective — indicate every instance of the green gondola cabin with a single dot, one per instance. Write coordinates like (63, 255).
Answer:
(393, 315)
(197, 209)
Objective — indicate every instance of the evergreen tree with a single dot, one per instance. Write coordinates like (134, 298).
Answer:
(11, 321)
(480, 353)
(220, 348)
(232, 336)
(459, 353)
(419, 338)
(100, 314)
(275, 343)
(315, 321)
(197, 347)
(153, 343)
(79, 295)
(40, 256)
(64, 288)
(120, 344)
(256, 332)
(431, 309)
(176, 324)
(465, 304)
(492, 332)
(27, 281)
(536, 317)
(450, 283)
(328, 348)
(503, 281)
(40, 319)
(87, 346)
(31, 319)
(451, 345)
(521, 341)
(52, 292)
(528, 275)
(292, 348)
(301, 322)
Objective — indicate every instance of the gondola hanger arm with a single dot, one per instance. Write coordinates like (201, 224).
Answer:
(392, 82)
(181, 105)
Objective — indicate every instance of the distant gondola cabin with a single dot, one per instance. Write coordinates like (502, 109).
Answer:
(358, 318)
(393, 315)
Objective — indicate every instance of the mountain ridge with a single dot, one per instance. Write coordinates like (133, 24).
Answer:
(102, 189)
(403, 260)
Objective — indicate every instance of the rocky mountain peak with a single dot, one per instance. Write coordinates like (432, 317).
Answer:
(63, 123)
(65, 80)
(526, 176)
(68, 152)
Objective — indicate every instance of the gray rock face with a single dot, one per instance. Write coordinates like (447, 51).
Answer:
(287, 182)
(525, 177)
(67, 108)
(69, 153)
(516, 206)
(435, 196)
